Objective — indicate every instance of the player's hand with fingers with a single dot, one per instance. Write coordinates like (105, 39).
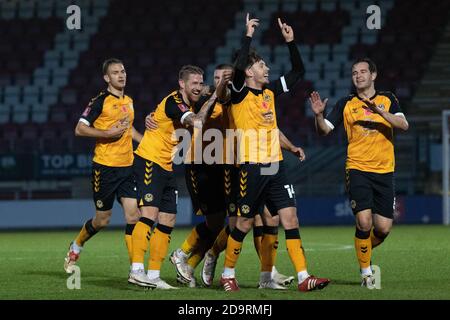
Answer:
(317, 105)
(150, 122)
(117, 130)
(226, 76)
(251, 25)
(286, 31)
(372, 106)
(299, 153)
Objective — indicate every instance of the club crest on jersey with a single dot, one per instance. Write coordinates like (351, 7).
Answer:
(367, 111)
(99, 204)
(245, 209)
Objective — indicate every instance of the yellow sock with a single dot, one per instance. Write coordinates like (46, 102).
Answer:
(363, 248)
(257, 239)
(87, 231)
(197, 256)
(159, 245)
(234, 247)
(221, 241)
(128, 240)
(269, 248)
(140, 239)
(295, 249)
(191, 242)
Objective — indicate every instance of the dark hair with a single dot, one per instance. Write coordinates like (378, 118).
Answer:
(109, 62)
(186, 70)
(253, 57)
(224, 66)
(372, 65)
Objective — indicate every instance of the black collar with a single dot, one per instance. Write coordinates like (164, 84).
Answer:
(109, 92)
(182, 98)
(371, 98)
(256, 91)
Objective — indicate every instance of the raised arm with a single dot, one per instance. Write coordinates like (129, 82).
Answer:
(297, 67)
(242, 58)
(222, 90)
(318, 107)
(198, 119)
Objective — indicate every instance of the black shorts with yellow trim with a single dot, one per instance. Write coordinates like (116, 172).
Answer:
(205, 185)
(370, 190)
(231, 188)
(156, 187)
(261, 184)
(111, 182)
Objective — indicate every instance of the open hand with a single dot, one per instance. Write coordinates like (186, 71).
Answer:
(317, 105)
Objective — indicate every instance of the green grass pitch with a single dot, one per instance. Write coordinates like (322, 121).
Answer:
(414, 265)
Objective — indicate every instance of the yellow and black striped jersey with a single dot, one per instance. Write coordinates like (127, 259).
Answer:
(159, 145)
(102, 113)
(370, 136)
(254, 117)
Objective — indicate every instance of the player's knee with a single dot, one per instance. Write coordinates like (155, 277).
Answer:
(102, 222)
(364, 224)
(381, 234)
(132, 218)
(244, 224)
(289, 221)
(273, 221)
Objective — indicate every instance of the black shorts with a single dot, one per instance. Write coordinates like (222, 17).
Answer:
(205, 186)
(111, 182)
(156, 187)
(369, 190)
(257, 189)
(231, 188)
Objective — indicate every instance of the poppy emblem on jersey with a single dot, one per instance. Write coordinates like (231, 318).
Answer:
(245, 209)
(182, 107)
(86, 111)
(148, 197)
(367, 111)
(265, 105)
(99, 204)
(124, 108)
